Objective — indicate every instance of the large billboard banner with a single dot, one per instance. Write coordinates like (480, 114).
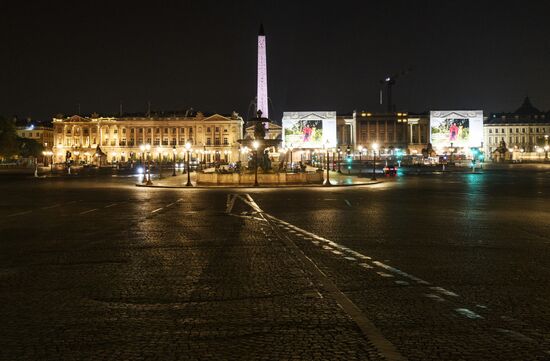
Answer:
(309, 129)
(456, 128)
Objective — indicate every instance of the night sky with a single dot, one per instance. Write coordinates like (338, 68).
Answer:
(321, 55)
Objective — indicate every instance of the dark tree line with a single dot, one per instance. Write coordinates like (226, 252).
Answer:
(13, 146)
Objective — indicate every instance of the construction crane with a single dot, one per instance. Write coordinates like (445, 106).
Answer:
(389, 82)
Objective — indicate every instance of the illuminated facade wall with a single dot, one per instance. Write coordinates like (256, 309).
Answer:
(213, 137)
(262, 76)
(456, 128)
(309, 129)
(393, 131)
(42, 135)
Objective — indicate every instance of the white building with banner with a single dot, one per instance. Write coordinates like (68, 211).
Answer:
(456, 130)
(309, 130)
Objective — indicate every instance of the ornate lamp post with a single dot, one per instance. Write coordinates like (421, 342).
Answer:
(142, 155)
(374, 148)
(174, 150)
(148, 150)
(188, 148)
(290, 149)
(327, 182)
(339, 159)
(256, 145)
(546, 148)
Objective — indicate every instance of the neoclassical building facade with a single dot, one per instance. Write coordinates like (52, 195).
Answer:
(118, 139)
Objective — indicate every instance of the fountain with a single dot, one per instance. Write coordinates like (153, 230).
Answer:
(262, 173)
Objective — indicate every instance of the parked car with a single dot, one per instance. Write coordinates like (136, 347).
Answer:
(390, 170)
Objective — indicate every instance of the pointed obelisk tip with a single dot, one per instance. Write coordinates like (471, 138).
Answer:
(261, 32)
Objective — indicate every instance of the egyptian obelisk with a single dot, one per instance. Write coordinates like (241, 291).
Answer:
(261, 96)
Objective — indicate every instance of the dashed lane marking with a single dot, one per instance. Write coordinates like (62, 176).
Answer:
(355, 256)
(50, 207)
(111, 205)
(468, 313)
(158, 209)
(444, 291)
(19, 213)
(347, 202)
(89, 211)
(369, 330)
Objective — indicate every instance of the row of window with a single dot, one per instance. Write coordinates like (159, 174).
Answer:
(30, 135)
(140, 130)
(516, 140)
(503, 130)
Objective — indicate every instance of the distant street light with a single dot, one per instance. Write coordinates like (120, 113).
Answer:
(255, 144)
(188, 148)
(546, 147)
(142, 155)
(339, 159)
(374, 148)
(290, 149)
(148, 150)
(174, 150)
(327, 182)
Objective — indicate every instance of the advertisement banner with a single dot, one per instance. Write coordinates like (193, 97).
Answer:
(309, 129)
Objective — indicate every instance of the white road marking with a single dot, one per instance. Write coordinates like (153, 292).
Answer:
(89, 211)
(515, 335)
(19, 213)
(444, 291)
(468, 313)
(434, 297)
(111, 205)
(230, 202)
(335, 247)
(347, 202)
(158, 209)
(50, 207)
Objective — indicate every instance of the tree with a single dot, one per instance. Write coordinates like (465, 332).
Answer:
(29, 148)
(8, 139)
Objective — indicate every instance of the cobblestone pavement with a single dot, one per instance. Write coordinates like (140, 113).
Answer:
(114, 273)
(450, 267)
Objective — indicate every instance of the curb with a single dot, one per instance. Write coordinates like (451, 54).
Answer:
(260, 187)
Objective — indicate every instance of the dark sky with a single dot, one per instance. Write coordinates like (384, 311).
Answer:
(321, 55)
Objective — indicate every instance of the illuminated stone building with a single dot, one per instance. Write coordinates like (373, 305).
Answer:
(41, 133)
(525, 132)
(403, 131)
(118, 139)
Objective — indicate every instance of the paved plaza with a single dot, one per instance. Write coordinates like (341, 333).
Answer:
(421, 267)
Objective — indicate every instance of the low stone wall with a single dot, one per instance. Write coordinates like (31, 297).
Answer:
(263, 178)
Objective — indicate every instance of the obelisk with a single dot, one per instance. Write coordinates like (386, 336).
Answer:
(261, 96)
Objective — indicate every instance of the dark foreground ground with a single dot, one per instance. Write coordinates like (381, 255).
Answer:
(427, 267)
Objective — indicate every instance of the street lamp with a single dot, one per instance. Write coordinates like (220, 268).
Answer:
(142, 155)
(290, 149)
(546, 147)
(339, 159)
(174, 150)
(255, 144)
(327, 182)
(374, 148)
(188, 148)
(148, 149)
